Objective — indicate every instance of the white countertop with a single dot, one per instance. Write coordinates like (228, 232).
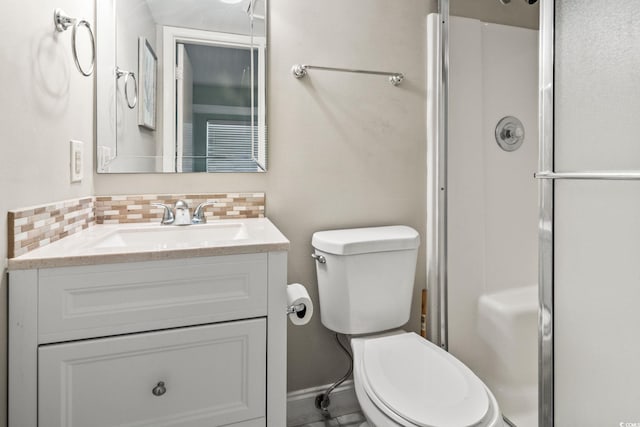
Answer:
(88, 247)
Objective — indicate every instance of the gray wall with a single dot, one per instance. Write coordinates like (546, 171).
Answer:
(517, 13)
(45, 103)
(345, 150)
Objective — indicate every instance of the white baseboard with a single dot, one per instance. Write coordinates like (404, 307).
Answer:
(301, 406)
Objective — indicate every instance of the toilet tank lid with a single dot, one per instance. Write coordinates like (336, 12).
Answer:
(365, 240)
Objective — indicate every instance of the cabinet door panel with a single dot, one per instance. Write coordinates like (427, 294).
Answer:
(212, 375)
(101, 300)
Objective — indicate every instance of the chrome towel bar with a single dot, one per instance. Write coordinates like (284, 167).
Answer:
(300, 70)
(591, 175)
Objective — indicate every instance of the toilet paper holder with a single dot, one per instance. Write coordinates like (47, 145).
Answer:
(296, 308)
(299, 306)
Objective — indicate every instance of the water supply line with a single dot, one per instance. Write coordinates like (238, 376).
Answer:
(322, 400)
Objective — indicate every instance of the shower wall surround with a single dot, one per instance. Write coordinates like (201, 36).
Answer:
(492, 211)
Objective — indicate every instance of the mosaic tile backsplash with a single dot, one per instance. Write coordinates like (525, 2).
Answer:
(35, 227)
(124, 209)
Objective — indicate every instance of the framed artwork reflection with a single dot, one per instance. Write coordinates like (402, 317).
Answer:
(148, 75)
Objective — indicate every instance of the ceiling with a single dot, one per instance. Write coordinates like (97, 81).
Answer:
(210, 15)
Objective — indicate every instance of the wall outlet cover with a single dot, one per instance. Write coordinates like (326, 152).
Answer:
(76, 165)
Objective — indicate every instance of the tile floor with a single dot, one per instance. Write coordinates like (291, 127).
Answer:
(349, 420)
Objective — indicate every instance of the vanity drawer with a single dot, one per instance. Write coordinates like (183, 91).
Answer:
(102, 300)
(213, 375)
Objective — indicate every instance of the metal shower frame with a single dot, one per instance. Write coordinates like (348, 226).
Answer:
(545, 215)
(436, 229)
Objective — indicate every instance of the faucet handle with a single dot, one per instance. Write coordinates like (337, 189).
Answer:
(181, 204)
(182, 213)
(198, 214)
(167, 216)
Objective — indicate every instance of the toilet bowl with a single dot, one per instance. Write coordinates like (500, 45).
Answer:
(365, 284)
(401, 379)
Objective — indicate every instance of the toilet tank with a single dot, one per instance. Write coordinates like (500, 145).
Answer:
(366, 283)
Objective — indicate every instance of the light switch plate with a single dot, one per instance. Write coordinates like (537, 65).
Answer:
(76, 161)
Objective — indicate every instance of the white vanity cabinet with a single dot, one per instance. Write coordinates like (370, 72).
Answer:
(197, 342)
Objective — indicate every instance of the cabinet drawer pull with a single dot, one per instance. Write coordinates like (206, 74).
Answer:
(159, 389)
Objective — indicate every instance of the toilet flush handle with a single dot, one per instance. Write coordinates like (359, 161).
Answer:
(319, 258)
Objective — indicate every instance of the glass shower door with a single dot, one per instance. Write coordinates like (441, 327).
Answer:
(596, 221)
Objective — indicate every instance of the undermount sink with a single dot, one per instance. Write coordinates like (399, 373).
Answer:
(172, 237)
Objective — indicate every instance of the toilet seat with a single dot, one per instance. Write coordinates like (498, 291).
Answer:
(415, 383)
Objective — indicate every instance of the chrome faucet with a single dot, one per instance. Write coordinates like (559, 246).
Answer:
(183, 215)
(179, 216)
(198, 214)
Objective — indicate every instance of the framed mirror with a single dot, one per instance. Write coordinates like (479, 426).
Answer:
(181, 86)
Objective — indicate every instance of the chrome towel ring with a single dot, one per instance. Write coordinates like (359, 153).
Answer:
(62, 22)
(128, 74)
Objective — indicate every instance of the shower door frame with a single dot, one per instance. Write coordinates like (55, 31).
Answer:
(436, 224)
(545, 224)
(437, 199)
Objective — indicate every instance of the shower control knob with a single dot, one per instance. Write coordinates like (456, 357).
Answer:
(509, 133)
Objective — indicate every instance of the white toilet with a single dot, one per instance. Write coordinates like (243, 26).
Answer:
(365, 282)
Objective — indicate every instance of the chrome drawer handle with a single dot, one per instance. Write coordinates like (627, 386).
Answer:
(159, 389)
